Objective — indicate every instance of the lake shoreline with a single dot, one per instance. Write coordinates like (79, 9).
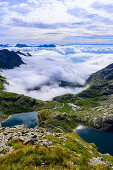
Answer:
(81, 127)
(22, 119)
(103, 140)
(4, 120)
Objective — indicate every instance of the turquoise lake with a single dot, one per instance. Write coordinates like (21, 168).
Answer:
(29, 119)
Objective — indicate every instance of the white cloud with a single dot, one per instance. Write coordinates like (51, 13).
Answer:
(72, 64)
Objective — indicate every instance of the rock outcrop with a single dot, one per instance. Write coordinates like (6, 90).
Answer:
(40, 148)
(99, 160)
(24, 135)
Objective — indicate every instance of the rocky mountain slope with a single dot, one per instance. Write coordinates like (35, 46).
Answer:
(92, 107)
(53, 144)
(23, 148)
(9, 59)
(101, 83)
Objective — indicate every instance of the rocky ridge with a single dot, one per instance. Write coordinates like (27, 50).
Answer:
(21, 140)
(24, 135)
(93, 107)
(9, 59)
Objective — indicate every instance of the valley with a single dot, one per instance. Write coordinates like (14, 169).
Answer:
(56, 121)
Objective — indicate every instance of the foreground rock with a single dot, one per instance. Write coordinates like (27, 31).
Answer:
(24, 135)
(99, 160)
(23, 148)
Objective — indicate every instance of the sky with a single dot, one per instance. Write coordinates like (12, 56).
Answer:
(56, 21)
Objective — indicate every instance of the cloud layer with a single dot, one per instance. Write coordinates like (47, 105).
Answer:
(46, 67)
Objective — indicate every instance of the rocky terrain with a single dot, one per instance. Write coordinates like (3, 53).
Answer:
(53, 144)
(95, 103)
(24, 148)
(24, 135)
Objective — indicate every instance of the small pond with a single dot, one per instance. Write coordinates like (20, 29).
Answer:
(29, 119)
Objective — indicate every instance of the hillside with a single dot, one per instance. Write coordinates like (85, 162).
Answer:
(23, 148)
(9, 59)
(2, 82)
(53, 144)
(92, 107)
(11, 103)
(101, 83)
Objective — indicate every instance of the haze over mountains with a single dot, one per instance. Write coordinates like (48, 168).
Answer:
(53, 71)
(96, 95)
(91, 106)
(49, 73)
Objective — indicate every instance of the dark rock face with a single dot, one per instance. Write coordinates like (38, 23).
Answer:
(101, 83)
(9, 59)
(28, 54)
(102, 75)
(18, 52)
(60, 83)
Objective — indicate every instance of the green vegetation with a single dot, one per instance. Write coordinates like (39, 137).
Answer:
(2, 82)
(11, 103)
(68, 151)
(92, 107)
(67, 111)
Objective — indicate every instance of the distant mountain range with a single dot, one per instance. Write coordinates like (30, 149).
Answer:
(4, 45)
(24, 45)
(21, 45)
(47, 45)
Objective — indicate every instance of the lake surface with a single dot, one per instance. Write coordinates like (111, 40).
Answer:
(29, 119)
(104, 141)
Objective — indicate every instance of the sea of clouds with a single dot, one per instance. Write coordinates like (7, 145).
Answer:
(47, 66)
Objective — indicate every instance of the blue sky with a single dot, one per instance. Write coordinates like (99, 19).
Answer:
(56, 21)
